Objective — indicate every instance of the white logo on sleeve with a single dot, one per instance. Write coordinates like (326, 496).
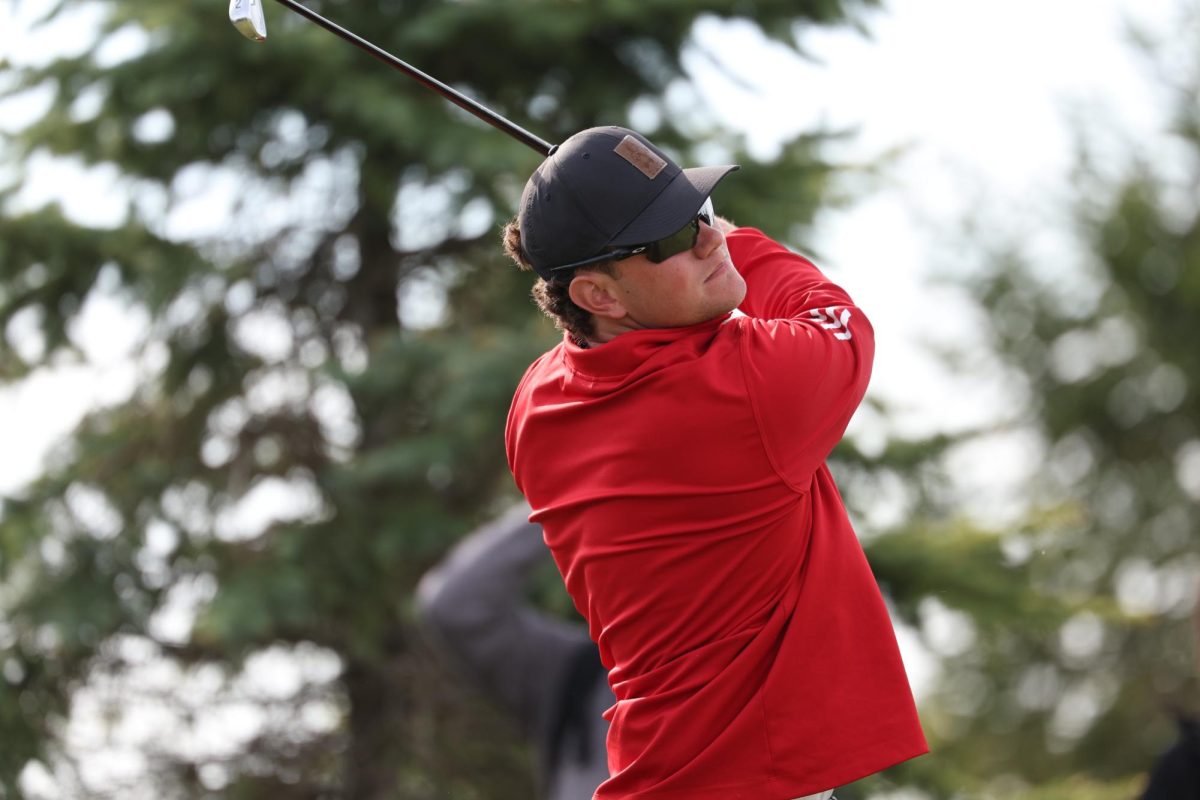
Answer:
(834, 319)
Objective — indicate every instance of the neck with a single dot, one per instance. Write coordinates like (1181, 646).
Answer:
(605, 329)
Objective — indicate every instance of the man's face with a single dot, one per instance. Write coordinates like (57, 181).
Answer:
(690, 287)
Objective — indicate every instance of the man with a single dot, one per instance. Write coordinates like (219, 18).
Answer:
(673, 453)
(543, 671)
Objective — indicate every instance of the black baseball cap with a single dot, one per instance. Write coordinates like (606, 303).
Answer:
(606, 187)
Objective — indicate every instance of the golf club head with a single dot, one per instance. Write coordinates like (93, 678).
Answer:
(247, 17)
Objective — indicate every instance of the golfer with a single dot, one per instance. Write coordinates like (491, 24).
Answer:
(674, 453)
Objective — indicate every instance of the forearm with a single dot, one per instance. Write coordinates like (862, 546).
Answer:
(781, 284)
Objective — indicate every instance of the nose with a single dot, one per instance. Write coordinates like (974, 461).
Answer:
(708, 238)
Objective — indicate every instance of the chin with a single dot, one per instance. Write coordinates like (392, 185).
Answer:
(737, 292)
(725, 307)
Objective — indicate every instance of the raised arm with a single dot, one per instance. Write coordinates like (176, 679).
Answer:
(807, 354)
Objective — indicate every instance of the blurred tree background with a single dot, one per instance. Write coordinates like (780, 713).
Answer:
(211, 585)
(209, 591)
(1098, 346)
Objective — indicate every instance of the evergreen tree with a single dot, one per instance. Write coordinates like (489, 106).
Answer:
(343, 340)
(1102, 349)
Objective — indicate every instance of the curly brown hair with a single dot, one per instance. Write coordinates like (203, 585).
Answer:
(552, 296)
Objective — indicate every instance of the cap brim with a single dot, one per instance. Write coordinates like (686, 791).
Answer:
(674, 207)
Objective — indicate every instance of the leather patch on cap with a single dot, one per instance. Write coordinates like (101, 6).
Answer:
(642, 157)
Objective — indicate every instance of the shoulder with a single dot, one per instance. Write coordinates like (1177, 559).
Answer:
(547, 362)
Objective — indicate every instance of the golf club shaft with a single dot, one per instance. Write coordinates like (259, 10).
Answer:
(454, 96)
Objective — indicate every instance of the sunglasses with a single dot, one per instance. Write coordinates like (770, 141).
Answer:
(658, 251)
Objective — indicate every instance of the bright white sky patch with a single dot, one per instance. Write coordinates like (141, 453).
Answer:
(270, 501)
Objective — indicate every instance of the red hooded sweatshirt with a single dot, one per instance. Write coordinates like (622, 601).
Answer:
(679, 476)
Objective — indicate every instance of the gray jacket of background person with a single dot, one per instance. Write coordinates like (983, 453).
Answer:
(544, 670)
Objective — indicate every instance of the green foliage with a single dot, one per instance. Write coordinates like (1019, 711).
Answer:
(284, 354)
(1072, 702)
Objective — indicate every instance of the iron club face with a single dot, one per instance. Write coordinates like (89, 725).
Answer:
(247, 17)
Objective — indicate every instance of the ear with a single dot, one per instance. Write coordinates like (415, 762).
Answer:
(596, 293)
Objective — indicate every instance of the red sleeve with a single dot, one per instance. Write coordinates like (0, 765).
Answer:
(806, 354)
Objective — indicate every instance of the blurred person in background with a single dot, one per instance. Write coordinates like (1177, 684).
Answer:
(545, 671)
(1176, 774)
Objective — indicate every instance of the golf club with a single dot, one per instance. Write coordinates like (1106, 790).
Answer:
(247, 16)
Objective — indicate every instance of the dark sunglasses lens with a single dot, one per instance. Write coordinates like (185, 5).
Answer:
(678, 242)
(683, 239)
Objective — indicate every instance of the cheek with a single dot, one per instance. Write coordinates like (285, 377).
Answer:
(661, 287)
(679, 291)
(670, 295)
